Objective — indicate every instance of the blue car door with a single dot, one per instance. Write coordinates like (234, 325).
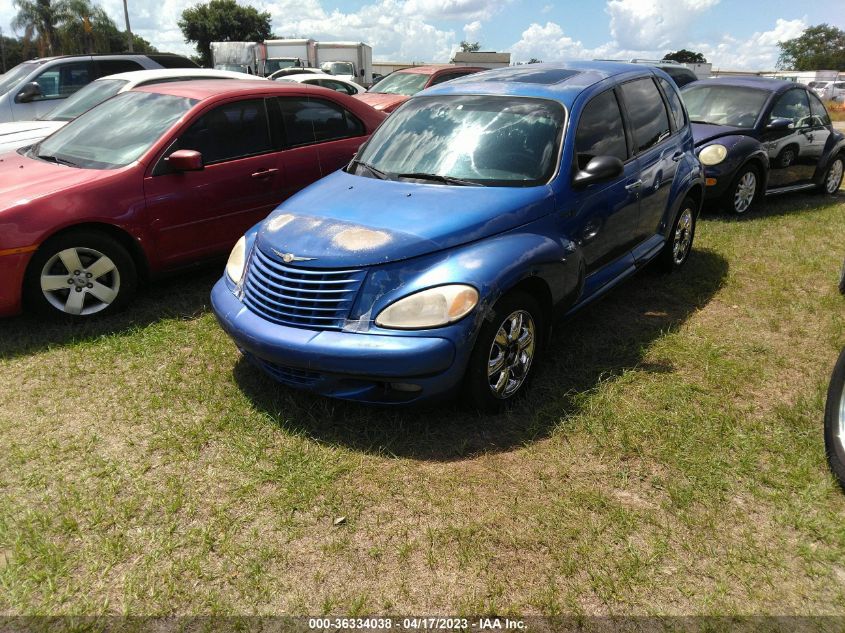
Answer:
(657, 150)
(606, 213)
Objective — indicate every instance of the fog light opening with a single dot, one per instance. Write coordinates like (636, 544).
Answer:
(405, 387)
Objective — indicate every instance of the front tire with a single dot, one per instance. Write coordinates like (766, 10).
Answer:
(741, 195)
(80, 274)
(677, 248)
(504, 358)
(834, 421)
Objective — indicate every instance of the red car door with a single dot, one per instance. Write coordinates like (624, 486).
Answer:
(200, 214)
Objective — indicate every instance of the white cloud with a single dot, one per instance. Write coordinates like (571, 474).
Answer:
(653, 24)
(452, 9)
(758, 52)
(547, 42)
(472, 30)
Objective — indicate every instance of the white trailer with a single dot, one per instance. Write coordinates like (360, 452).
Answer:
(242, 57)
(349, 60)
(300, 53)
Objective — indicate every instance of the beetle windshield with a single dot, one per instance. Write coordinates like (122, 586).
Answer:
(483, 140)
(401, 84)
(85, 99)
(114, 133)
(736, 106)
(338, 68)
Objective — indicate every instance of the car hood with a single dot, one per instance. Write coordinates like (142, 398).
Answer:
(17, 134)
(382, 101)
(704, 132)
(24, 180)
(348, 221)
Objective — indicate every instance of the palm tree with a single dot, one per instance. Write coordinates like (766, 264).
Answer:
(39, 19)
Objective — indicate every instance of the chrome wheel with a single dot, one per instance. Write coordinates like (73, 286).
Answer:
(745, 190)
(80, 281)
(683, 237)
(834, 176)
(511, 354)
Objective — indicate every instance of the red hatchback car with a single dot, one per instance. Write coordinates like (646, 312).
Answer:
(399, 86)
(160, 178)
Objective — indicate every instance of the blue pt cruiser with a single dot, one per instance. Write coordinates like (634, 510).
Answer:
(481, 210)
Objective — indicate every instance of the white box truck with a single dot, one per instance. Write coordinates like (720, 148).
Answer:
(242, 57)
(349, 60)
(289, 53)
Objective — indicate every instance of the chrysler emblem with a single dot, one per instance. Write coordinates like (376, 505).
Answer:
(290, 257)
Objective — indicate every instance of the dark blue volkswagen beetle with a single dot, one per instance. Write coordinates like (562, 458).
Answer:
(479, 211)
(758, 136)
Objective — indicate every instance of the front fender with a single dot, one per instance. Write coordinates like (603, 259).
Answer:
(493, 266)
(741, 150)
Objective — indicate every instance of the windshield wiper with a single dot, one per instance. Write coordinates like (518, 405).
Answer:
(449, 180)
(55, 159)
(375, 172)
(704, 122)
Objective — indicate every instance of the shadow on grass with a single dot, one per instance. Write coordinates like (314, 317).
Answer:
(184, 296)
(774, 206)
(602, 340)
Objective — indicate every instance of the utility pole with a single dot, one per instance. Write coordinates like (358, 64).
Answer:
(128, 28)
(3, 50)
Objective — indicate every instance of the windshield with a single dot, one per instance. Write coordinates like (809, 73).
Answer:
(12, 78)
(338, 68)
(485, 140)
(401, 84)
(272, 65)
(724, 105)
(83, 100)
(116, 132)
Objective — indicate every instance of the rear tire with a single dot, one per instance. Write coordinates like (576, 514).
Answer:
(834, 421)
(832, 180)
(504, 358)
(678, 246)
(78, 275)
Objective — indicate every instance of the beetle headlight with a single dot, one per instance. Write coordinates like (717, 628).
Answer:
(433, 307)
(237, 260)
(713, 154)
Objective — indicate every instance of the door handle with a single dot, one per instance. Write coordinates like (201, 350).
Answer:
(677, 156)
(264, 173)
(634, 185)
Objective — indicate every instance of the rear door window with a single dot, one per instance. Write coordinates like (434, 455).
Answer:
(307, 121)
(600, 130)
(675, 104)
(646, 111)
(113, 66)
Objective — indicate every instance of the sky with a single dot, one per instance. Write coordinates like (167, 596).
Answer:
(732, 34)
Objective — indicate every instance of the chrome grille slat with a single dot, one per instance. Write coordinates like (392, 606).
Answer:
(298, 297)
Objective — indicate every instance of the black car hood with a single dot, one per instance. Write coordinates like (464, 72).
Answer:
(705, 132)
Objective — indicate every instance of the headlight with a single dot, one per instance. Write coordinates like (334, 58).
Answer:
(429, 308)
(713, 154)
(237, 259)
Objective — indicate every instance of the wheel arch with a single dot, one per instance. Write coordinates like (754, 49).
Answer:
(121, 236)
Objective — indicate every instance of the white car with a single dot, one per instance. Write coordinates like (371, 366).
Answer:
(326, 81)
(15, 134)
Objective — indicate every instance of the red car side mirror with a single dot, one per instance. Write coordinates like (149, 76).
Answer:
(185, 160)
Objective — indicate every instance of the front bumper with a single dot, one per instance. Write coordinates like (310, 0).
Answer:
(723, 176)
(366, 367)
(12, 269)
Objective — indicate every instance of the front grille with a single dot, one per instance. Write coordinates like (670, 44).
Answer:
(318, 299)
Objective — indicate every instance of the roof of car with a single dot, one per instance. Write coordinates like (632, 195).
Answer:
(561, 81)
(313, 77)
(42, 60)
(205, 89)
(137, 76)
(761, 83)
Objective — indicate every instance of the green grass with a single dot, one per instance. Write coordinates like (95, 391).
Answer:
(669, 459)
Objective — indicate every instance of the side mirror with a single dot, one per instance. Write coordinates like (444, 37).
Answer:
(779, 124)
(185, 160)
(600, 168)
(29, 92)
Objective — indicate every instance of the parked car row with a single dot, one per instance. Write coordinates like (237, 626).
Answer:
(435, 248)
